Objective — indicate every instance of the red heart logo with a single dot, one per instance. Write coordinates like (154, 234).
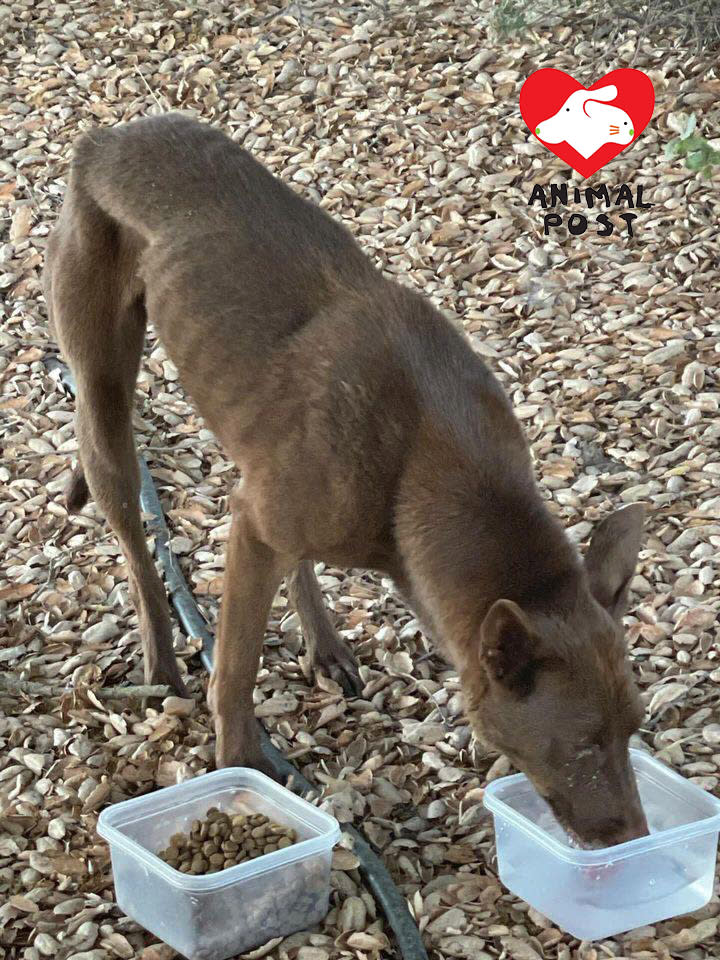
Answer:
(587, 126)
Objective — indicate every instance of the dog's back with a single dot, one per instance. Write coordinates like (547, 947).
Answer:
(172, 179)
(304, 360)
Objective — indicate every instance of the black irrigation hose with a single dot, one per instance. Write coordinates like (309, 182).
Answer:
(372, 868)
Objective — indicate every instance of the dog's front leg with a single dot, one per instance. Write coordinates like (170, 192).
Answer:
(253, 572)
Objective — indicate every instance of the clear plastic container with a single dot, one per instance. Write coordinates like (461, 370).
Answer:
(222, 914)
(593, 894)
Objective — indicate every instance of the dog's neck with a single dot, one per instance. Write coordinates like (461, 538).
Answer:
(472, 526)
(505, 548)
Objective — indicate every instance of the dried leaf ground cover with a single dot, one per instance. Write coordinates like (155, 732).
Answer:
(407, 129)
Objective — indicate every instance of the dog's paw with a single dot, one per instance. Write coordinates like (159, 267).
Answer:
(338, 662)
(228, 757)
(168, 674)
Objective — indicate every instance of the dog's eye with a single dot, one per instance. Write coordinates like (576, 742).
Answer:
(567, 109)
(624, 123)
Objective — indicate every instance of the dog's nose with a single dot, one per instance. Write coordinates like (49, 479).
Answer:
(622, 829)
(639, 825)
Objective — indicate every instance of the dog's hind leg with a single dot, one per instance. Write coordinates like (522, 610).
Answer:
(327, 651)
(99, 317)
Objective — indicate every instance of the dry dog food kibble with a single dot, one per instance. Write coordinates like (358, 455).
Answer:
(223, 840)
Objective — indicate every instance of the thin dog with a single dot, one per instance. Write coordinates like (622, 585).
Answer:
(368, 433)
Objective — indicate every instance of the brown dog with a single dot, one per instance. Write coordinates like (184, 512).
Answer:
(369, 435)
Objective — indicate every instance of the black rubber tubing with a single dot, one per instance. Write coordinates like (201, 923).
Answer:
(372, 868)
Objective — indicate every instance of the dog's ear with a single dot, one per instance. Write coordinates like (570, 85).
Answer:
(507, 648)
(612, 556)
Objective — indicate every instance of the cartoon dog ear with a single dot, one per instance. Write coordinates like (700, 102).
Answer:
(591, 108)
(604, 93)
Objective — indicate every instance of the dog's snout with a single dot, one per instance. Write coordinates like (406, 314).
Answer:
(604, 824)
(638, 826)
(619, 831)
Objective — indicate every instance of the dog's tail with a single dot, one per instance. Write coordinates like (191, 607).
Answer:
(77, 493)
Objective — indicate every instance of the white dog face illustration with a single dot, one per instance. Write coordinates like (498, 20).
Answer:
(587, 122)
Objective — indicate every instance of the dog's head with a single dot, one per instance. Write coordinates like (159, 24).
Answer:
(586, 121)
(553, 691)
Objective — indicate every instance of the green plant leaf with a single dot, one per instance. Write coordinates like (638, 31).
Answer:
(695, 161)
(689, 126)
(509, 17)
(693, 143)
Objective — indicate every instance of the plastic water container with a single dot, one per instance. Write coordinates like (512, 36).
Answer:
(593, 894)
(222, 914)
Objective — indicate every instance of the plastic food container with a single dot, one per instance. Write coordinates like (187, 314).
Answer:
(222, 914)
(593, 894)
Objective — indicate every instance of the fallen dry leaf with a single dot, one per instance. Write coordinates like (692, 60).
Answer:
(405, 128)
